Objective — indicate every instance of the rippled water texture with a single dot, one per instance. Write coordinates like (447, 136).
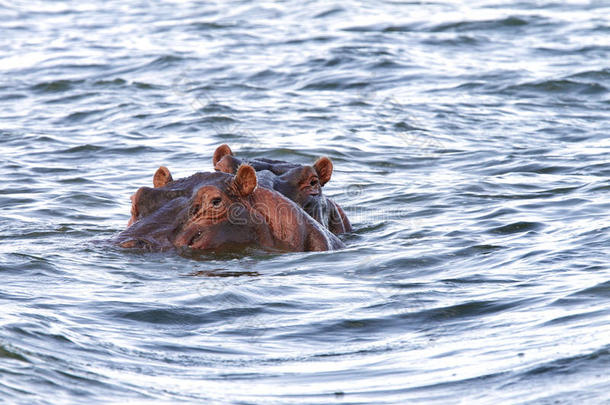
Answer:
(470, 143)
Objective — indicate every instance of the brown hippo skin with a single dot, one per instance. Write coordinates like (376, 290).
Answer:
(302, 184)
(219, 211)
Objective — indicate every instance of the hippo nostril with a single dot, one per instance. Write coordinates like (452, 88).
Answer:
(138, 243)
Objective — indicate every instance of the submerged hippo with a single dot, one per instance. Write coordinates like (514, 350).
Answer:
(220, 211)
(300, 183)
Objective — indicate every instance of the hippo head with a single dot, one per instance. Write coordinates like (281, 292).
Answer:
(218, 211)
(300, 183)
(204, 211)
(303, 185)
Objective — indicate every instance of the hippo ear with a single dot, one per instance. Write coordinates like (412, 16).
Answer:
(324, 168)
(244, 181)
(220, 152)
(162, 177)
(227, 164)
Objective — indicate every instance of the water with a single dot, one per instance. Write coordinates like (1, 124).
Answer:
(470, 143)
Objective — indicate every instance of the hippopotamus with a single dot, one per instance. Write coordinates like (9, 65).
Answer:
(220, 211)
(300, 183)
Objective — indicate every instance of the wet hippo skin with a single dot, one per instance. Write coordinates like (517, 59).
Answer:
(300, 183)
(220, 211)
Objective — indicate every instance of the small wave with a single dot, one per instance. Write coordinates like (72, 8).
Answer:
(537, 168)
(166, 60)
(365, 28)
(56, 86)
(81, 149)
(145, 86)
(20, 262)
(473, 309)
(386, 63)
(596, 75)
(336, 83)
(242, 317)
(558, 86)
(219, 120)
(581, 50)
(85, 199)
(597, 359)
(70, 98)
(601, 290)
(81, 116)
(12, 96)
(329, 12)
(76, 180)
(478, 250)
(517, 227)
(315, 39)
(167, 316)
(108, 83)
(209, 26)
(484, 25)
(587, 316)
(157, 64)
(6, 353)
(264, 74)
(498, 213)
(457, 41)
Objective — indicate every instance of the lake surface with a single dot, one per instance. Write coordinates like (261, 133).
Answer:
(471, 144)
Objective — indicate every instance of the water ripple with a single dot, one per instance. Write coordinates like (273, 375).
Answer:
(470, 147)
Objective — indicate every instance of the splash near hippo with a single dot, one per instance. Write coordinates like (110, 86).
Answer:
(221, 211)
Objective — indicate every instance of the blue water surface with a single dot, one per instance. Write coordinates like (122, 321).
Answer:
(470, 142)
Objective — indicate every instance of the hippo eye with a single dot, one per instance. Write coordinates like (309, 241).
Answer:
(216, 202)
